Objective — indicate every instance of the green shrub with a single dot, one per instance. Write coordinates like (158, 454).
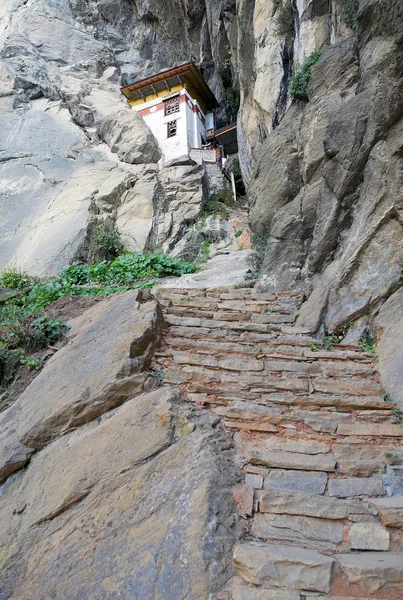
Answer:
(15, 279)
(24, 328)
(302, 75)
(348, 12)
(108, 240)
(48, 329)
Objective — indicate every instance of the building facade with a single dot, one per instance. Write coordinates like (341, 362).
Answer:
(179, 108)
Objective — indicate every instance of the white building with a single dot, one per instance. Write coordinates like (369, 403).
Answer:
(179, 108)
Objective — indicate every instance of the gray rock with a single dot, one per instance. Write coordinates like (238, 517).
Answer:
(373, 571)
(390, 510)
(285, 567)
(302, 504)
(389, 334)
(345, 488)
(103, 365)
(296, 481)
(284, 460)
(321, 533)
(368, 536)
(127, 134)
(125, 482)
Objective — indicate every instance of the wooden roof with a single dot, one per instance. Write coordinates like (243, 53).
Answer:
(166, 80)
(227, 136)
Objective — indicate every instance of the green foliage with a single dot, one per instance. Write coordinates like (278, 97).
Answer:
(348, 12)
(238, 233)
(15, 279)
(398, 414)
(367, 343)
(393, 459)
(49, 329)
(302, 75)
(284, 18)
(313, 348)
(108, 240)
(256, 258)
(214, 207)
(24, 328)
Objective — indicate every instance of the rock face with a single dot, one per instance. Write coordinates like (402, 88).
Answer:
(119, 335)
(127, 492)
(326, 183)
(68, 142)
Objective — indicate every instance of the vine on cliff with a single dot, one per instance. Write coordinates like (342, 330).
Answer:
(302, 75)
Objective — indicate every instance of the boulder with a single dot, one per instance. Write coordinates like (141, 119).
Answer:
(121, 505)
(128, 135)
(103, 365)
(388, 330)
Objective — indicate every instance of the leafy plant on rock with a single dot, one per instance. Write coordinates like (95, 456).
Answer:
(301, 76)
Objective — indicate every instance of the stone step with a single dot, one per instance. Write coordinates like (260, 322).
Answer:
(212, 347)
(345, 402)
(242, 591)
(292, 460)
(213, 324)
(374, 572)
(218, 361)
(356, 487)
(283, 566)
(371, 430)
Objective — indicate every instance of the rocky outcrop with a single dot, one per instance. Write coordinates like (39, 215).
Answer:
(119, 335)
(326, 182)
(63, 120)
(127, 489)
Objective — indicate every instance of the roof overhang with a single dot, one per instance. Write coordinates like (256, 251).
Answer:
(227, 136)
(163, 82)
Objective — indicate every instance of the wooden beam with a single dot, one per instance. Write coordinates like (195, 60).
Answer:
(167, 85)
(154, 90)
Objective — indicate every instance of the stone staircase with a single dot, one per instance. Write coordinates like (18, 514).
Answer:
(321, 497)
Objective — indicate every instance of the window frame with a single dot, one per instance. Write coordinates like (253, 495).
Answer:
(172, 124)
(172, 102)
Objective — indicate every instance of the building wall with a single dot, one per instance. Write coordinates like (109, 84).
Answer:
(191, 124)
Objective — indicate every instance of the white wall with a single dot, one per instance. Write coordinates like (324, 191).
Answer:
(190, 127)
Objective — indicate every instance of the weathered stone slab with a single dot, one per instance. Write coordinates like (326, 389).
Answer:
(253, 480)
(245, 592)
(111, 345)
(303, 446)
(373, 571)
(371, 429)
(302, 504)
(347, 387)
(299, 529)
(390, 510)
(290, 460)
(273, 565)
(361, 468)
(368, 536)
(98, 505)
(296, 481)
(345, 488)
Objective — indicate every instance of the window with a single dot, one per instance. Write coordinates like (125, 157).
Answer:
(172, 129)
(171, 106)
